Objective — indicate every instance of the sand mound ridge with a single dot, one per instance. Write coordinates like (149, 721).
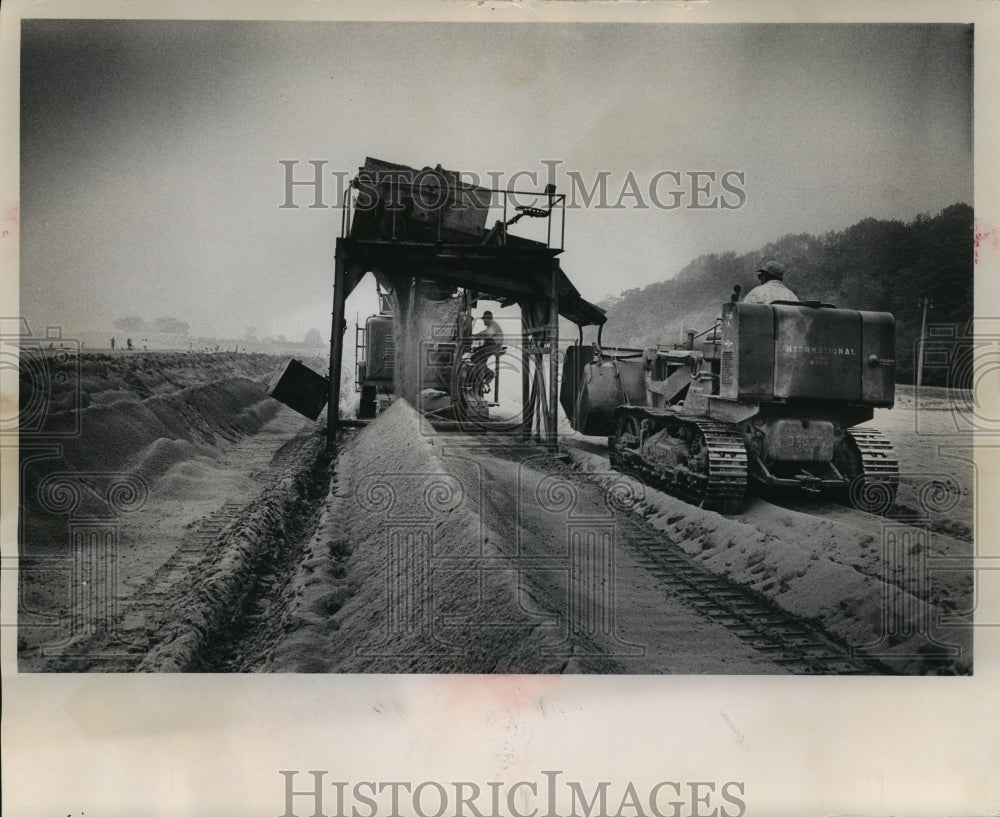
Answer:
(143, 415)
(365, 600)
(187, 479)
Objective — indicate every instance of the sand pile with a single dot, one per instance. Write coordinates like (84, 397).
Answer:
(390, 582)
(67, 381)
(162, 455)
(140, 415)
(187, 480)
(154, 423)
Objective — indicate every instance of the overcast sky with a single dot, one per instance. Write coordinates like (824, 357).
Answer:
(151, 181)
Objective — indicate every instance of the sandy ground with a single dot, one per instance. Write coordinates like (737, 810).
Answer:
(899, 586)
(165, 451)
(489, 571)
(190, 523)
(451, 558)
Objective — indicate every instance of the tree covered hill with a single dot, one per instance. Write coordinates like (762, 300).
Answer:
(873, 265)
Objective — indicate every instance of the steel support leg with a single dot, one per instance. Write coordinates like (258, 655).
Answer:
(552, 430)
(527, 407)
(336, 347)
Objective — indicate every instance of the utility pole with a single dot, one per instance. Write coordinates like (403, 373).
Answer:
(926, 303)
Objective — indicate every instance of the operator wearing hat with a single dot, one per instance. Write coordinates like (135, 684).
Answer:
(771, 289)
(492, 334)
(491, 345)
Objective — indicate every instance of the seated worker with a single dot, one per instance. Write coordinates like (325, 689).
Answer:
(492, 335)
(491, 344)
(771, 289)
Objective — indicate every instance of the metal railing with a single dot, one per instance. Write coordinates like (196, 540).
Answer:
(398, 194)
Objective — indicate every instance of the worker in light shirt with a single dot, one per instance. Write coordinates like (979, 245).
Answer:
(491, 335)
(772, 288)
(491, 345)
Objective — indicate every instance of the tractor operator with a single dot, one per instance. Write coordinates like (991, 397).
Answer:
(772, 288)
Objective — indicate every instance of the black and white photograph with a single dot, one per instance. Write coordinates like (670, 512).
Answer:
(456, 355)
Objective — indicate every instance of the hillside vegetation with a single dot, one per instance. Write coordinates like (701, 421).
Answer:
(874, 265)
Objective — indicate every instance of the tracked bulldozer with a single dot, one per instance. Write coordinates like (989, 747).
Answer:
(771, 394)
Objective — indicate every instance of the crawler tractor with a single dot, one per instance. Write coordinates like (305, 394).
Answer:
(771, 394)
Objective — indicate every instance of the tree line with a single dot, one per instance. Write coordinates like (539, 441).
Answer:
(137, 325)
(886, 266)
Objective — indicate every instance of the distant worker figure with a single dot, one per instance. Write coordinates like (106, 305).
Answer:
(112, 344)
(771, 289)
(128, 342)
(491, 345)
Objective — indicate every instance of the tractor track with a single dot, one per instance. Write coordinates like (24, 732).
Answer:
(878, 509)
(244, 642)
(797, 645)
(238, 600)
(151, 604)
(722, 485)
(207, 536)
(202, 595)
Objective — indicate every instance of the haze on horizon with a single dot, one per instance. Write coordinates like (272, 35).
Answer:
(151, 182)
